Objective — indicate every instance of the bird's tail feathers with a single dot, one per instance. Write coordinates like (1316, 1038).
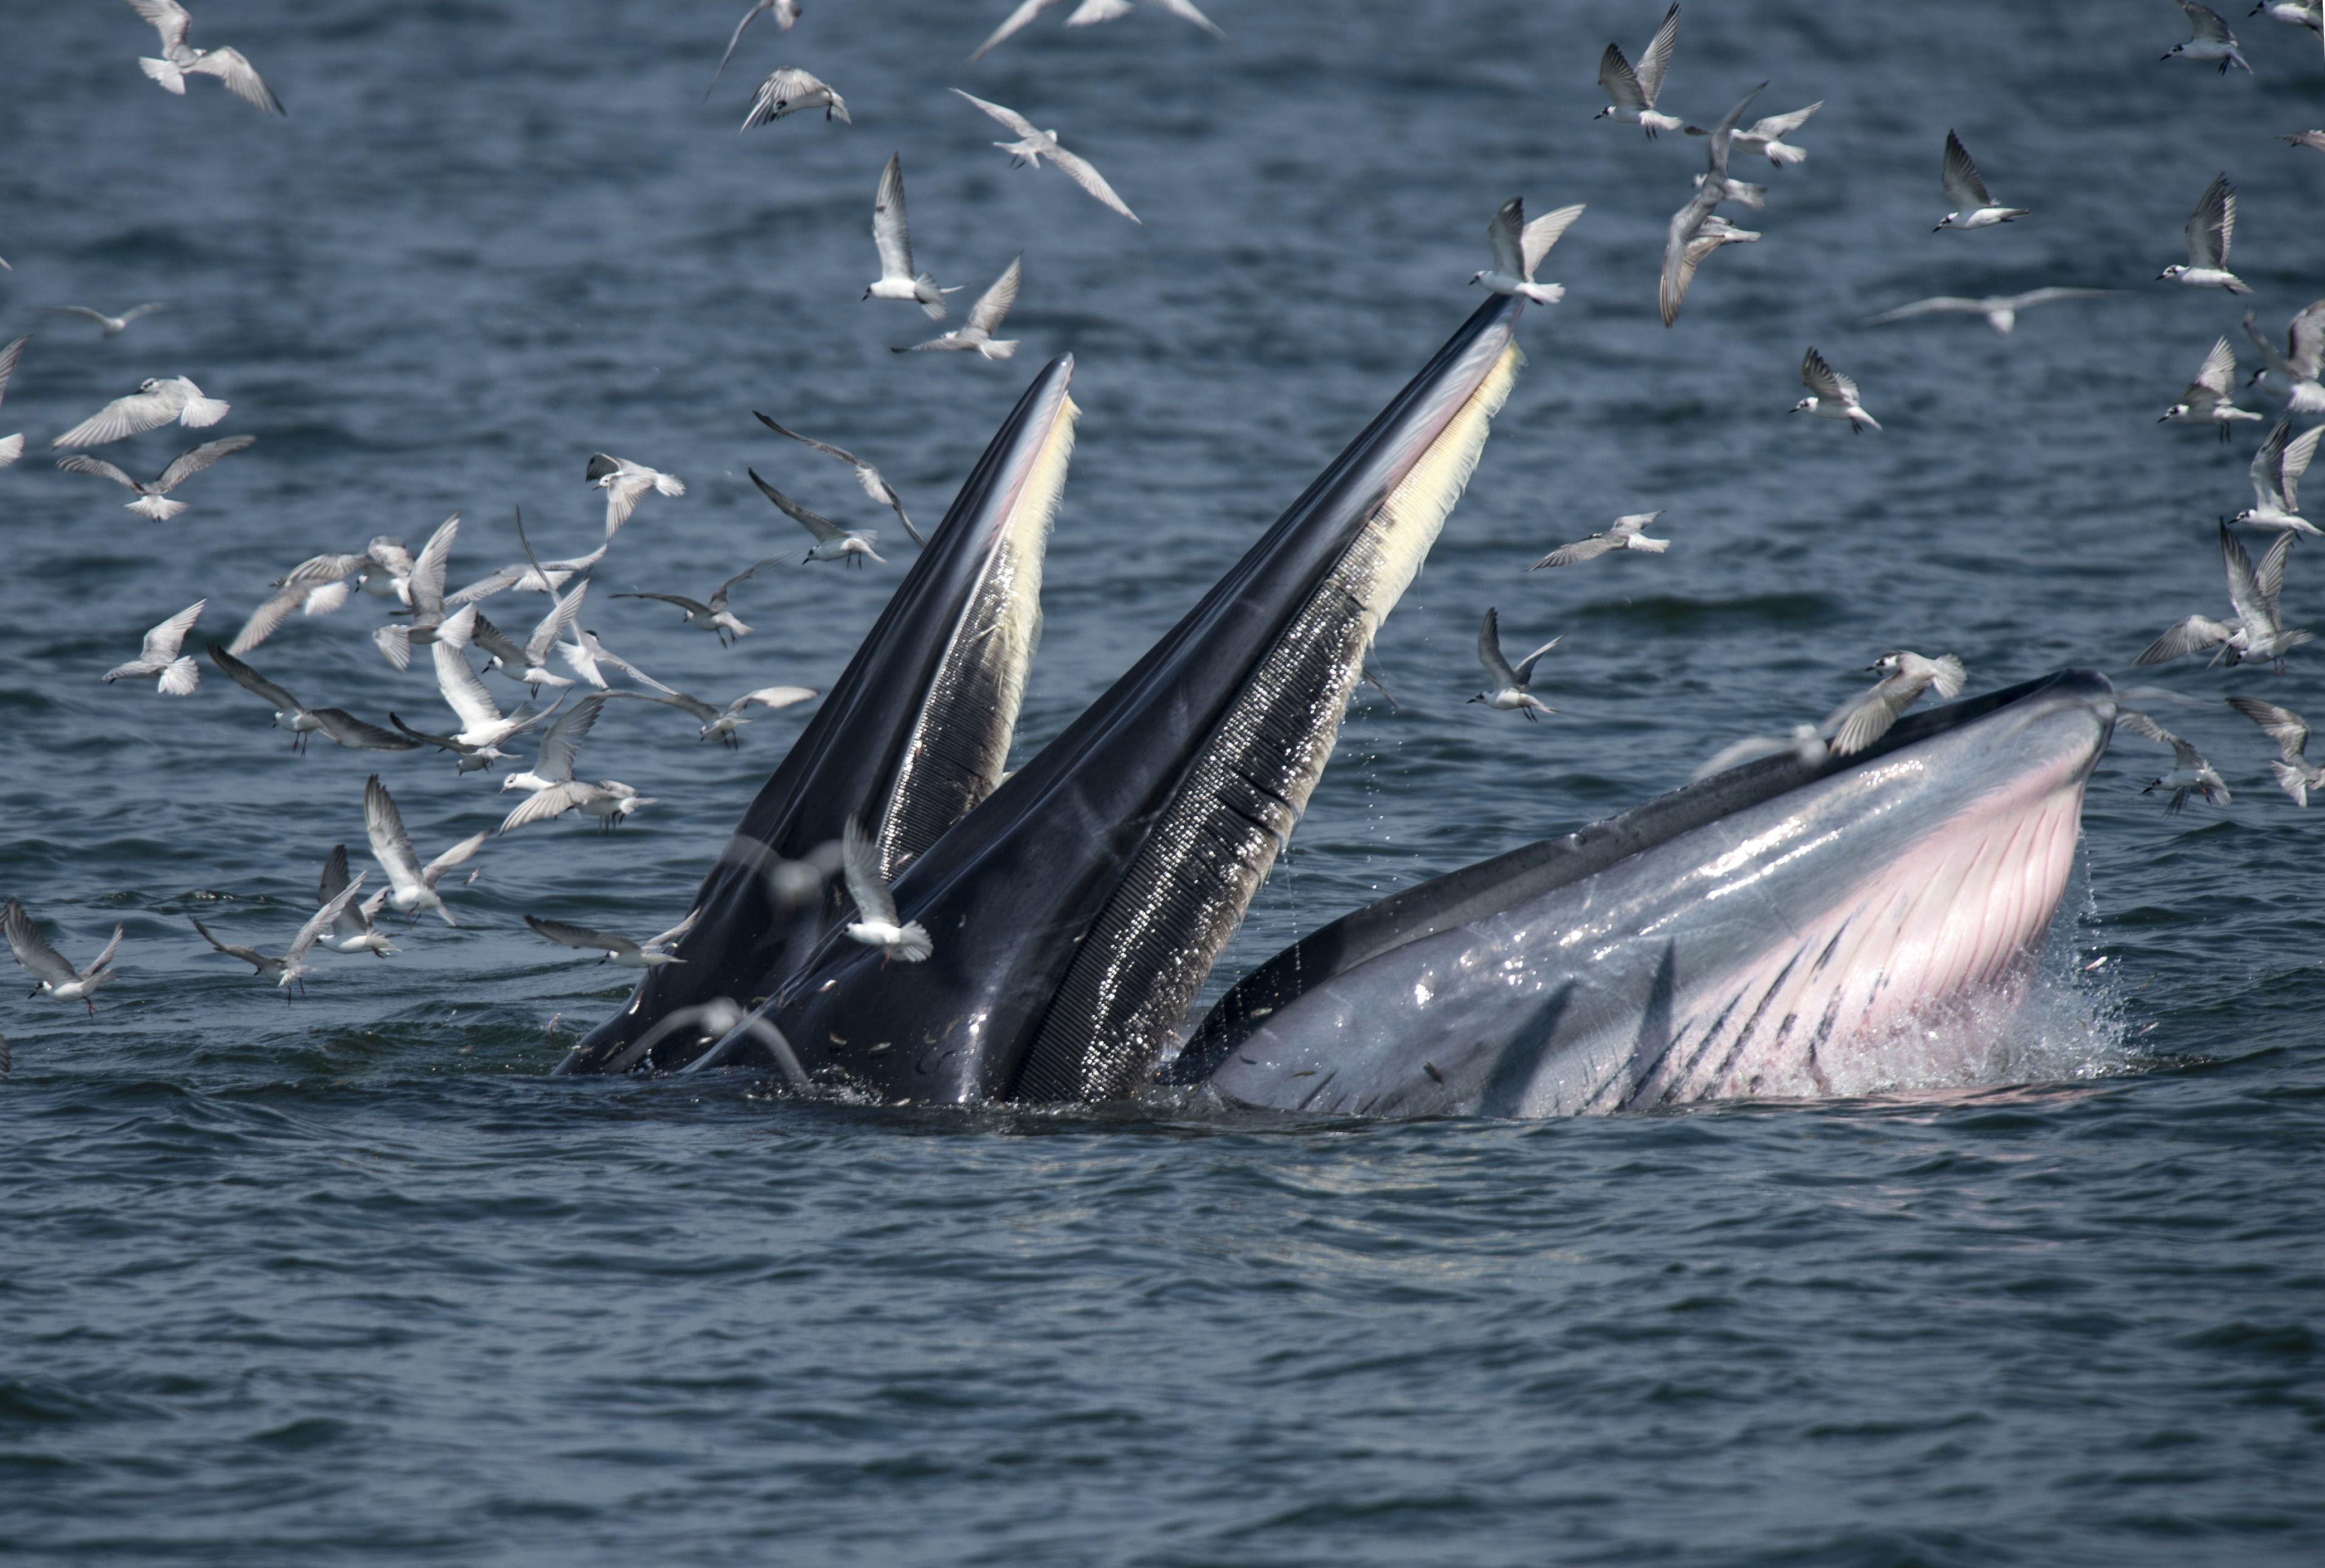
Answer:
(159, 508)
(200, 413)
(172, 79)
(1654, 546)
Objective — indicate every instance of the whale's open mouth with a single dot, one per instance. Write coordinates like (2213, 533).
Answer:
(1787, 930)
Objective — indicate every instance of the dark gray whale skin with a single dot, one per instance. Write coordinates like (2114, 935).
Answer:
(1034, 878)
(847, 761)
(1599, 971)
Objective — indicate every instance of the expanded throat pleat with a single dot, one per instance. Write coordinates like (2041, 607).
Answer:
(1125, 994)
(960, 742)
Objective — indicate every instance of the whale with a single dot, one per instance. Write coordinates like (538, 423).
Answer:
(1793, 927)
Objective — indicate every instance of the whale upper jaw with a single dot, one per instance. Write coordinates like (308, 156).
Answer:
(1077, 912)
(1784, 928)
(914, 733)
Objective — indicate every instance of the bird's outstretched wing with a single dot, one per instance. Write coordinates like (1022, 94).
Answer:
(162, 642)
(860, 862)
(824, 530)
(241, 79)
(194, 459)
(168, 18)
(891, 233)
(1007, 116)
(1965, 192)
(1538, 237)
(1489, 650)
(1582, 549)
(1084, 173)
(993, 305)
(32, 949)
(2288, 729)
(1656, 60)
(582, 936)
(2213, 225)
(250, 680)
(1014, 23)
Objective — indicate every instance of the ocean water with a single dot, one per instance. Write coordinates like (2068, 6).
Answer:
(349, 1279)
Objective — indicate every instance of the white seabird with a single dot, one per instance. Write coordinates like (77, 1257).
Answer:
(1032, 145)
(1832, 396)
(48, 967)
(179, 674)
(1517, 248)
(2210, 228)
(1509, 693)
(1631, 94)
(876, 924)
(984, 320)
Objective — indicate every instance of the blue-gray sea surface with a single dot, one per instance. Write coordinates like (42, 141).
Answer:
(351, 1280)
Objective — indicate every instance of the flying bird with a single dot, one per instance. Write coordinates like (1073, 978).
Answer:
(2306, 14)
(1631, 94)
(48, 967)
(619, 951)
(334, 725)
(527, 663)
(152, 496)
(352, 931)
(1517, 248)
(625, 484)
(482, 725)
(984, 320)
(2212, 39)
(554, 790)
(1682, 253)
(1832, 396)
(10, 446)
(529, 576)
(391, 847)
(153, 404)
(1034, 145)
(2292, 770)
(2276, 471)
(2211, 398)
(1767, 136)
(421, 589)
(2296, 369)
(719, 724)
(2209, 229)
(1625, 533)
(832, 542)
(1904, 677)
(111, 325)
(2000, 310)
(785, 13)
(2253, 633)
(713, 616)
(1509, 691)
(292, 968)
(875, 924)
(179, 59)
(1088, 14)
(866, 476)
(177, 673)
(892, 236)
(316, 585)
(2190, 774)
(1966, 195)
(790, 90)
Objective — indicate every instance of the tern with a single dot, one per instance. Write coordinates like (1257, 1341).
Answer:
(2209, 230)
(155, 403)
(2212, 39)
(875, 924)
(291, 969)
(316, 586)
(154, 495)
(866, 476)
(832, 542)
(2190, 775)
(619, 951)
(335, 724)
(1904, 674)
(719, 724)
(1681, 254)
(422, 589)
(10, 446)
(111, 325)
(2306, 14)
(984, 320)
(528, 663)
(713, 616)
(585, 653)
(2276, 471)
(1832, 396)
(1509, 691)
(2255, 634)
(2000, 310)
(1631, 95)
(624, 483)
(1767, 136)
(2211, 398)
(555, 791)
(391, 847)
(179, 674)
(785, 13)
(1517, 248)
(2297, 369)
(1032, 145)
(789, 90)
(2293, 772)
(482, 725)
(352, 931)
(1625, 533)
(48, 967)
(179, 59)
(529, 576)
(1972, 208)
(893, 239)
(1088, 14)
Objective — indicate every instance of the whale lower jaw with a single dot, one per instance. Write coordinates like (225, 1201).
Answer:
(1873, 930)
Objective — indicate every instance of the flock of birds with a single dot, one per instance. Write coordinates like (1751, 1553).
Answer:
(558, 654)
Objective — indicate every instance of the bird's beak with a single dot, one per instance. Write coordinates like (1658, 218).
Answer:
(2166, 419)
(1939, 229)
